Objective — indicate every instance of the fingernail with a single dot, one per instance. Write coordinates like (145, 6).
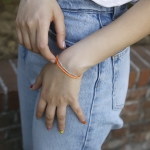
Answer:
(53, 61)
(31, 86)
(48, 128)
(61, 131)
(64, 44)
(84, 122)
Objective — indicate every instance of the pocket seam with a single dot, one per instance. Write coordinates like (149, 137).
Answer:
(121, 53)
(116, 106)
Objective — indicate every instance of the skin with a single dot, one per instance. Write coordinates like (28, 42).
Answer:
(32, 25)
(129, 28)
(32, 29)
(124, 31)
(57, 94)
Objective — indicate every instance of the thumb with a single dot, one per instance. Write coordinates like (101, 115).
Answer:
(60, 29)
(38, 83)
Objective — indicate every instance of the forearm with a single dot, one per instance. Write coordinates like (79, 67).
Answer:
(126, 30)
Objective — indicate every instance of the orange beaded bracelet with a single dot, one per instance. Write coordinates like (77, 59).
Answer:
(65, 71)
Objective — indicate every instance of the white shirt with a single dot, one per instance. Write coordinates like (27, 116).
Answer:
(112, 3)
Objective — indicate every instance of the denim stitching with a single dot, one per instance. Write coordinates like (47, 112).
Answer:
(113, 81)
(100, 21)
(121, 53)
(114, 101)
(116, 106)
(91, 110)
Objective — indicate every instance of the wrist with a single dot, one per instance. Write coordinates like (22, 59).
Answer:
(71, 63)
(68, 73)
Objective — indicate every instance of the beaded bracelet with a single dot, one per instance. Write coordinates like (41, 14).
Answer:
(64, 70)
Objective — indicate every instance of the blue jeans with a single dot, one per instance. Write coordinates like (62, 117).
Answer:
(103, 86)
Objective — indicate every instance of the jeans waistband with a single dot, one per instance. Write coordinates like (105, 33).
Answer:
(82, 4)
(90, 5)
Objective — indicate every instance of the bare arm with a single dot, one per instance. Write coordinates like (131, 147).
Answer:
(124, 31)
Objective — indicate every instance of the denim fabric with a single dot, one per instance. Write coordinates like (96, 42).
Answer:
(102, 92)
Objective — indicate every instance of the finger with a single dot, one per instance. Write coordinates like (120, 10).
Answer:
(32, 36)
(50, 114)
(19, 35)
(25, 37)
(61, 116)
(38, 82)
(60, 28)
(40, 107)
(78, 111)
(42, 42)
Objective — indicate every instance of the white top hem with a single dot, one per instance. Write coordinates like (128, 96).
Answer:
(113, 3)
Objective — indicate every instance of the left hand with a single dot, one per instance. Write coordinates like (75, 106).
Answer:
(58, 91)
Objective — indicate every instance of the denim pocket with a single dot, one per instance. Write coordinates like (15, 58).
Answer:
(121, 68)
(52, 36)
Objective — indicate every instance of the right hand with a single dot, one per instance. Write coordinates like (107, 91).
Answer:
(33, 22)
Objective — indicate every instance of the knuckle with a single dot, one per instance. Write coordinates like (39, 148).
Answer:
(22, 23)
(62, 33)
(49, 117)
(40, 22)
(61, 101)
(41, 46)
(43, 95)
(52, 102)
(71, 101)
(30, 24)
(61, 117)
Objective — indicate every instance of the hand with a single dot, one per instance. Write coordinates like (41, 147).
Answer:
(58, 91)
(33, 22)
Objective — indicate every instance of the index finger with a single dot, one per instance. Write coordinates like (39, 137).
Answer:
(42, 41)
(60, 28)
(78, 111)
